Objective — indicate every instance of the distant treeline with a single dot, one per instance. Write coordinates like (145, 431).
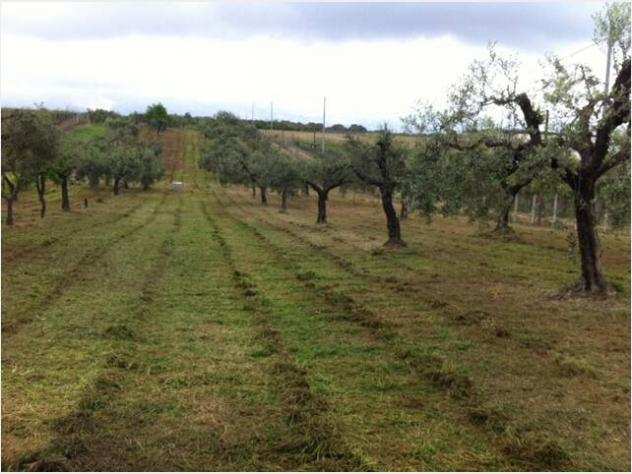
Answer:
(101, 115)
(307, 127)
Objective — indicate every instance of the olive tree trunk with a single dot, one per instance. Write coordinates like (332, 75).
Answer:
(392, 221)
(9, 220)
(40, 184)
(503, 223)
(592, 279)
(322, 207)
(10, 197)
(283, 207)
(65, 200)
(117, 188)
(264, 195)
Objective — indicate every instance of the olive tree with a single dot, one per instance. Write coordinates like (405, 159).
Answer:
(285, 177)
(157, 117)
(590, 127)
(238, 154)
(92, 163)
(123, 165)
(29, 147)
(124, 152)
(435, 178)
(71, 153)
(323, 173)
(381, 164)
(151, 167)
(488, 108)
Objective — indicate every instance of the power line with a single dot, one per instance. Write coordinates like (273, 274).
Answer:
(591, 45)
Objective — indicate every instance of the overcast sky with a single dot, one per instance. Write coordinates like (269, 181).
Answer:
(372, 61)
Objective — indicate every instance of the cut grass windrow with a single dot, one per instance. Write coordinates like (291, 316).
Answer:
(314, 441)
(72, 276)
(49, 241)
(523, 451)
(83, 431)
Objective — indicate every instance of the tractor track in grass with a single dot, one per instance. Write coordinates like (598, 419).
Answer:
(39, 247)
(500, 430)
(73, 431)
(453, 315)
(315, 440)
(71, 276)
(397, 285)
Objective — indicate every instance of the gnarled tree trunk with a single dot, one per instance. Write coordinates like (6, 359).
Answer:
(264, 195)
(65, 200)
(322, 207)
(116, 188)
(40, 184)
(283, 201)
(592, 279)
(9, 220)
(503, 223)
(392, 221)
(10, 197)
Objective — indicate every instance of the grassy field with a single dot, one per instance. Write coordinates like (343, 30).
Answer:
(286, 136)
(201, 331)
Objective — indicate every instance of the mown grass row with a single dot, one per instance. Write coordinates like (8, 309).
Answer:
(55, 365)
(338, 314)
(314, 441)
(73, 274)
(49, 238)
(529, 446)
(83, 433)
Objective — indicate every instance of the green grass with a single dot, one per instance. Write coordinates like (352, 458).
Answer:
(89, 132)
(200, 331)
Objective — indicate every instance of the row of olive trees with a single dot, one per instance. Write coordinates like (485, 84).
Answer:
(35, 152)
(491, 141)
(238, 154)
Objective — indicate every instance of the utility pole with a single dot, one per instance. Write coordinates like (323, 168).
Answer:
(252, 113)
(608, 60)
(271, 115)
(323, 137)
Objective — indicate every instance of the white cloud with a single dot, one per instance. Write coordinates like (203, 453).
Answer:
(365, 81)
